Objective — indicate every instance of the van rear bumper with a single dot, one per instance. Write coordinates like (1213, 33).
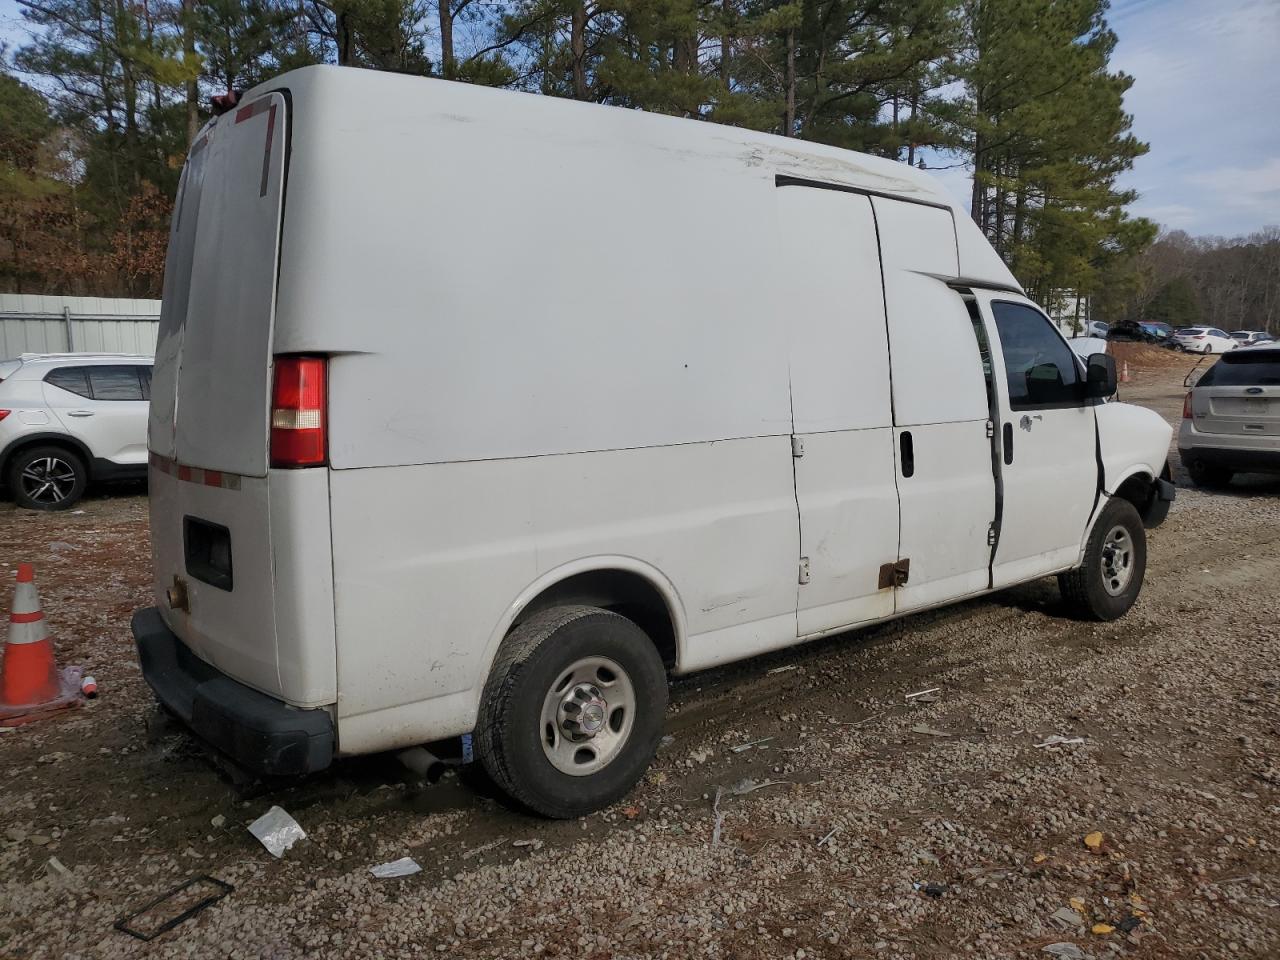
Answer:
(259, 732)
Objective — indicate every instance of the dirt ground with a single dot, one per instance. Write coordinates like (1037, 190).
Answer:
(888, 829)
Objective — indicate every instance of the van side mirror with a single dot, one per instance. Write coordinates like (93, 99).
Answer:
(1100, 376)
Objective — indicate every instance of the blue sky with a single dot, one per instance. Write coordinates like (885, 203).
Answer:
(1206, 98)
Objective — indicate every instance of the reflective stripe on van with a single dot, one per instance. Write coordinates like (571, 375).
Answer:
(209, 478)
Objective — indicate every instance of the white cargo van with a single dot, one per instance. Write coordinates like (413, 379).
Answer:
(478, 413)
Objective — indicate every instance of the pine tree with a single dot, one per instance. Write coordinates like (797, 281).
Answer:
(1046, 130)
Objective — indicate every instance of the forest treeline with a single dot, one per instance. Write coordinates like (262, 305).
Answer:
(98, 107)
(1233, 284)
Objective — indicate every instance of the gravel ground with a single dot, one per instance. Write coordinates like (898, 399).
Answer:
(888, 828)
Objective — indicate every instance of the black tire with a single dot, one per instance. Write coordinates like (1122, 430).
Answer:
(1207, 475)
(47, 478)
(510, 730)
(1094, 590)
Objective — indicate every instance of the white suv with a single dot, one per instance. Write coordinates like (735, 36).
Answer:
(1204, 340)
(68, 418)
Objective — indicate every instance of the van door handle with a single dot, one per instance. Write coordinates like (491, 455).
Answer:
(79, 413)
(908, 453)
(1008, 443)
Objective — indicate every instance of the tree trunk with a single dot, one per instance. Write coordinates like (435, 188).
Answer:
(342, 36)
(578, 48)
(914, 104)
(448, 65)
(975, 200)
(188, 60)
(998, 225)
(789, 117)
(726, 8)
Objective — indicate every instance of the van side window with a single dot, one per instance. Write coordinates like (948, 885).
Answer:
(115, 383)
(1039, 366)
(72, 379)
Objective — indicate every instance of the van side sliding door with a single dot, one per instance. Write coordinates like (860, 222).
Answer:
(842, 442)
(941, 430)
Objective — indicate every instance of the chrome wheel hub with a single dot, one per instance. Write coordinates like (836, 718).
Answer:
(587, 716)
(583, 712)
(1117, 561)
(48, 480)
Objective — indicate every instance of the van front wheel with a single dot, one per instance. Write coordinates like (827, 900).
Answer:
(572, 710)
(1107, 584)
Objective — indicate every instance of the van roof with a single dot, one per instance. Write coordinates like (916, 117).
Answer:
(431, 102)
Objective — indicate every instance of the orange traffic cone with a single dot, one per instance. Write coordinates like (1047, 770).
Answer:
(30, 682)
(1124, 372)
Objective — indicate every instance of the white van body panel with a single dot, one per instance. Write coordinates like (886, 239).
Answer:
(428, 563)
(232, 630)
(1132, 440)
(560, 338)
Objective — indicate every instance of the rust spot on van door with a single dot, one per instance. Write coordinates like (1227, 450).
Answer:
(894, 574)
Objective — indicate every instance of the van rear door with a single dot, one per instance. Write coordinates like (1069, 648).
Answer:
(220, 415)
(210, 395)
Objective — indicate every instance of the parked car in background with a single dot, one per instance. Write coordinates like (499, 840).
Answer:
(1161, 331)
(1248, 338)
(871, 420)
(1129, 331)
(1231, 418)
(1204, 340)
(1096, 328)
(67, 419)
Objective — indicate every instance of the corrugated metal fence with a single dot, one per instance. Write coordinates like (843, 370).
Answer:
(31, 323)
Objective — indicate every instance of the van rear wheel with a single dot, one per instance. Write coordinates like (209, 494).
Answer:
(1107, 584)
(572, 710)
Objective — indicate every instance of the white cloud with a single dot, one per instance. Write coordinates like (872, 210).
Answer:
(1251, 187)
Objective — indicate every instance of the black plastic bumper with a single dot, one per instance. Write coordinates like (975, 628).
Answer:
(1241, 461)
(1161, 498)
(259, 732)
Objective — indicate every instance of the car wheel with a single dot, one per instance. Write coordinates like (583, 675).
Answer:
(572, 711)
(47, 478)
(1207, 475)
(1107, 584)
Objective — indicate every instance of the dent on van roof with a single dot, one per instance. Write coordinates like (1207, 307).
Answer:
(368, 96)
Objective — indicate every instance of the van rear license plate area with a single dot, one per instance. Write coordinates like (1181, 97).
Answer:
(207, 550)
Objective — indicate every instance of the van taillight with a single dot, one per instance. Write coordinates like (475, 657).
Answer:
(1186, 408)
(299, 429)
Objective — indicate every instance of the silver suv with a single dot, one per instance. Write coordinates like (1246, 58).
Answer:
(1231, 418)
(70, 418)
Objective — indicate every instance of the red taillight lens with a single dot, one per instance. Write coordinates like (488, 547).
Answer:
(299, 428)
(4, 413)
(1186, 408)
